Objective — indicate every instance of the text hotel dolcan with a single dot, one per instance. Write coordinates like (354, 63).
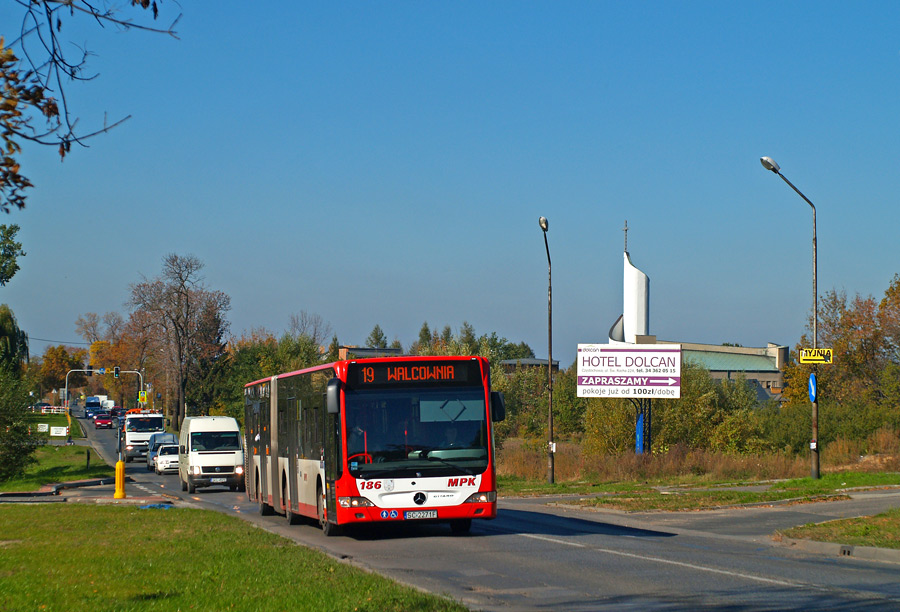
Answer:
(645, 370)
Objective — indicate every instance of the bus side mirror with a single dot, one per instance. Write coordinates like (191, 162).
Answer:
(333, 396)
(498, 406)
(181, 450)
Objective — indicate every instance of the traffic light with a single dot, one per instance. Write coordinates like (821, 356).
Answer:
(116, 371)
(90, 370)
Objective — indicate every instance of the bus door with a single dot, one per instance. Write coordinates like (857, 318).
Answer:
(292, 452)
(273, 476)
(331, 442)
(253, 441)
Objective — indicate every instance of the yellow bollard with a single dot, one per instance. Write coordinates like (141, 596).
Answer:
(120, 480)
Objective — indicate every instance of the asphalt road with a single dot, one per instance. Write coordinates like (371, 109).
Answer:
(540, 555)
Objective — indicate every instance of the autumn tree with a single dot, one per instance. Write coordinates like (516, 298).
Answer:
(180, 309)
(35, 68)
(10, 251)
(56, 364)
(852, 329)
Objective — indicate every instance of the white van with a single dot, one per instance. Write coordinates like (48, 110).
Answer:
(210, 453)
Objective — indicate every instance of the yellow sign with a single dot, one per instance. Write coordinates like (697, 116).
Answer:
(817, 355)
(142, 397)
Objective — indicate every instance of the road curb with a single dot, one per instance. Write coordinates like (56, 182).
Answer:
(53, 490)
(868, 553)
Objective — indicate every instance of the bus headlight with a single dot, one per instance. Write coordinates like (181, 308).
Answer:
(195, 470)
(354, 502)
(239, 470)
(482, 497)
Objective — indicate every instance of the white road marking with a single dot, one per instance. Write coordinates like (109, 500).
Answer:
(693, 566)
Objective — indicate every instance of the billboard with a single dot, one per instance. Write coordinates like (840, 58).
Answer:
(629, 370)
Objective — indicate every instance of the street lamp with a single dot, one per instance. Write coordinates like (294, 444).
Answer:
(770, 164)
(545, 225)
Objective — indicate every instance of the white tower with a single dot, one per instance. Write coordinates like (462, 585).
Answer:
(635, 319)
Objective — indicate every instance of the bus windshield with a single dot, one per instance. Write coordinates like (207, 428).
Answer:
(416, 432)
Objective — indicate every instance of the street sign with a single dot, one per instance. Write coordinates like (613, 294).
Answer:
(142, 397)
(816, 355)
(812, 387)
(629, 370)
(100, 370)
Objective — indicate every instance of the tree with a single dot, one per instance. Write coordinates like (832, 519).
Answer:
(424, 335)
(334, 350)
(57, 363)
(889, 319)
(310, 325)
(13, 342)
(467, 340)
(184, 312)
(16, 445)
(88, 327)
(10, 251)
(376, 338)
(34, 82)
(851, 328)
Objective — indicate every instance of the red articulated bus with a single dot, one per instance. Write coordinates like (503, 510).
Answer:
(375, 440)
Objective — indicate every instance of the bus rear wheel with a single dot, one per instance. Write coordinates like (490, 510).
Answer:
(264, 508)
(290, 517)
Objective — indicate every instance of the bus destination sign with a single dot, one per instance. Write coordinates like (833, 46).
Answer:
(415, 373)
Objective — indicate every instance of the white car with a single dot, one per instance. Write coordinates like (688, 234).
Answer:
(167, 459)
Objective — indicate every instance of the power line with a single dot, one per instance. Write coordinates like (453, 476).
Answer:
(58, 341)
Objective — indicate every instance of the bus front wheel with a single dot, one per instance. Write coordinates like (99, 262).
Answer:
(329, 529)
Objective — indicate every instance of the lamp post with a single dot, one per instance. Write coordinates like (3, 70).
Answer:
(545, 225)
(770, 164)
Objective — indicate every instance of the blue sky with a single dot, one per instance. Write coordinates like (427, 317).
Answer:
(387, 163)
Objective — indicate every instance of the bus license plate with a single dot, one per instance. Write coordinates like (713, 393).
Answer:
(217, 479)
(420, 514)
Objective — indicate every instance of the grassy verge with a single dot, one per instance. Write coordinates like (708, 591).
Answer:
(59, 464)
(698, 493)
(882, 531)
(81, 557)
(53, 420)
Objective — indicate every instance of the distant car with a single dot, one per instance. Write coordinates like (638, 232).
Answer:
(167, 459)
(102, 419)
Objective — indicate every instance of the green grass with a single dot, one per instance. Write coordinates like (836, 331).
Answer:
(59, 464)
(84, 557)
(882, 531)
(839, 480)
(53, 420)
(512, 486)
(671, 501)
